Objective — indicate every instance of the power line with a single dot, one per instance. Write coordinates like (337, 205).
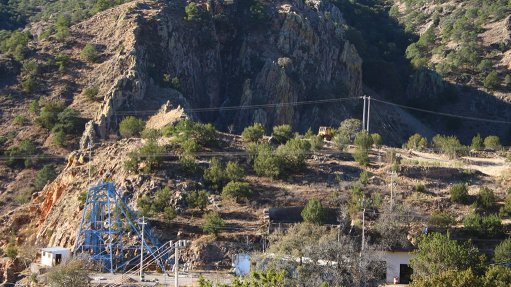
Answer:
(444, 114)
(243, 107)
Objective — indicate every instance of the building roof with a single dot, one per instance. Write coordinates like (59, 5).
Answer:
(54, 249)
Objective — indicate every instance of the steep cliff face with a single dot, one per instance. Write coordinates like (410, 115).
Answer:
(234, 54)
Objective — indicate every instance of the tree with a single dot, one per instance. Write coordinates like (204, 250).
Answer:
(253, 133)
(417, 142)
(313, 212)
(292, 155)
(194, 13)
(477, 142)
(266, 163)
(44, 176)
(486, 197)
(491, 81)
(502, 252)
(198, 199)
(71, 273)
(234, 172)
(282, 133)
(215, 174)
(213, 223)
(131, 127)
(341, 140)
(492, 142)
(449, 278)
(350, 128)
(441, 219)
(459, 193)
(497, 276)
(89, 53)
(377, 140)
(236, 190)
(484, 226)
(437, 253)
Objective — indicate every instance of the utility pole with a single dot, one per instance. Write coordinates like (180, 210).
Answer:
(392, 174)
(364, 113)
(143, 223)
(368, 112)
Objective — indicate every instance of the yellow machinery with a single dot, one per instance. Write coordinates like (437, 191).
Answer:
(326, 133)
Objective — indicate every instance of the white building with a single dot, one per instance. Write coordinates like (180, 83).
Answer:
(398, 266)
(52, 256)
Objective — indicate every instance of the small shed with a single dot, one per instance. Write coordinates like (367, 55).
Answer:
(398, 266)
(52, 256)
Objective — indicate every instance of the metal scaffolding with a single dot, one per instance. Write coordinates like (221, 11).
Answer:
(110, 235)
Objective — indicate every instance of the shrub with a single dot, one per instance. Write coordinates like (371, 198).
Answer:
(340, 141)
(15, 44)
(361, 156)
(198, 199)
(503, 252)
(506, 209)
(377, 140)
(350, 128)
(44, 176)
(477, 142)
(62, 27)
(72, 273)
(213, 223)
(266, 163)
(234, 172)
(215, 174)
(169, 213)
(492, 142)
(82, 197)
(497, 276)
(48, 116)
(68, 121)
(441, 219)
(486, 197)
(449, 145)
(19, 120)
(282, 133)
(363, 178)
(459, 193)
(149, 153)
(489, 226)
(491, 81)
(236, 190)
(33, 107)
(15, 153)
(23, 195)
(507, 81)
(190, 134)
(417, 142)
(29, 84)
(11, 251)
(419, 187)
(194, 13)
(59, 138)
(293, 154)
(363, 140)
(89, 53)
(90, 93)
(131, 127)
(253, 133)
(313, 212)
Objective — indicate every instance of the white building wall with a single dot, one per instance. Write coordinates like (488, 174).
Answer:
(48, 257)
(393, 260)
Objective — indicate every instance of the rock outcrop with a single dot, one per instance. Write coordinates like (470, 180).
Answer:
(289, 51)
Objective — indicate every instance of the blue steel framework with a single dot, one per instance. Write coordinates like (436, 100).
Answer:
(109, 233)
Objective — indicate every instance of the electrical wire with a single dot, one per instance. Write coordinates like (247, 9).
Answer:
(442, 113)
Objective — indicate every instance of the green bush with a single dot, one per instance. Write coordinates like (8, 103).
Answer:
(507, 81)
(489, 226)
(29, 84)
(491, 81)
(34, 107)
(15, 154)
(89, 53)
(492, 142)
(497, 276)
(253, 133)
(340, 141)
(313, 212)
(419, 187)
(213, 223)
(131, 127)
(159, 204)
(459, 193)
(377, 140)
(292, 155)
(350, 128)
(506, 209)
(282, 133)
(19, 120)
(23, 195)
(187, 132)
(486, 197)
(503, 252)
(449, 145)
(44, 176)
(90, 93)
(62, 27)
(361, 156)
(15, 44)
(214, 175)
(198, 199)
(363, 178)
(417, 142)
(266, 163)
(169, 213)
(48, 116)
(441, 219)
(477, 142)
(236, 190)
(11, 251)
(68, 121)
(234, 172)
(363, 140)
(194, 13)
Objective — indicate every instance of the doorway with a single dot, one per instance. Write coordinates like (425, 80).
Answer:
(58, 259)
(405, 274)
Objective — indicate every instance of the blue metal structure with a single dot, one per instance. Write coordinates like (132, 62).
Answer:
(109, 233)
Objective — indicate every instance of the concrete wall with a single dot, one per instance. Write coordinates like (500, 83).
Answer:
(393, 260)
